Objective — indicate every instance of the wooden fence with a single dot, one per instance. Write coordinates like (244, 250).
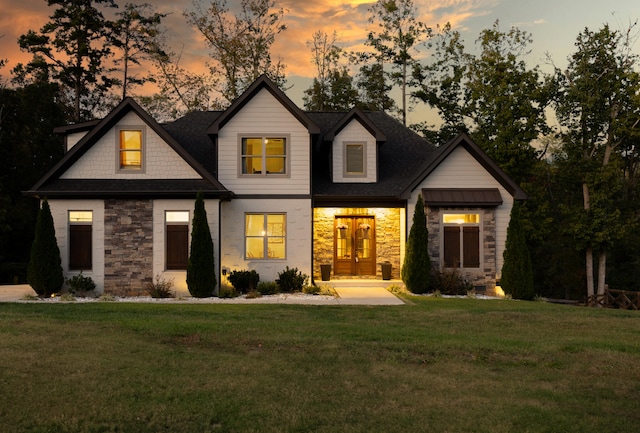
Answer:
(621, 299)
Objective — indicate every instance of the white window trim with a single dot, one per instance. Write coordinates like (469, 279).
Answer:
(287, 154)
(347, 174)
(143, 149)
(479, 224)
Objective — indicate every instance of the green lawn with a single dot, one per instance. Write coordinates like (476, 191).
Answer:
(435, 365)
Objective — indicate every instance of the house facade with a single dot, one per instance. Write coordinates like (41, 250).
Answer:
(282, 187)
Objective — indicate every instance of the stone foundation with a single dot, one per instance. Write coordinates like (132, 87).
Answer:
(128, 244)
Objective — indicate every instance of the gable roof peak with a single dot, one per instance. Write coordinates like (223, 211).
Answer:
(262, 82)
(356, 114)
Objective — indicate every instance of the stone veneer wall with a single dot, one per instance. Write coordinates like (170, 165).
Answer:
(486, 276)
(387, 231)
(128, 244)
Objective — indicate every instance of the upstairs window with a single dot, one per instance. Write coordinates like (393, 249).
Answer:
(264, 155)
(461, 240)
(354, 159)
(130, 144)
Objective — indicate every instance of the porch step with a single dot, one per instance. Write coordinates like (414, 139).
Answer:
(362, 283)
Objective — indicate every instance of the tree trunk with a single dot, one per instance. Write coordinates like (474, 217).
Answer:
(589, 270)
(589, 251)
(602, 271)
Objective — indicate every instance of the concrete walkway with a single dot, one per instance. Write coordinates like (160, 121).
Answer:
(350, 295)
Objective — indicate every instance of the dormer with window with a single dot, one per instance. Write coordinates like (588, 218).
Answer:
(354, 149)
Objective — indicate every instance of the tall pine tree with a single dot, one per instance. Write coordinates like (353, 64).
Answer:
(416, 269)
(201, 274)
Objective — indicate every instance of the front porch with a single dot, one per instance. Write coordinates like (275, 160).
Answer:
(357, 243)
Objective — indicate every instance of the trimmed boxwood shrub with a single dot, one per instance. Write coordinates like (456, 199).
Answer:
(244, 281)
(268, 288)
(291, 280)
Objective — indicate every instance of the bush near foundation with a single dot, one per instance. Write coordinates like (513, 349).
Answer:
(291, 280)
(201, 275)
(244, 281)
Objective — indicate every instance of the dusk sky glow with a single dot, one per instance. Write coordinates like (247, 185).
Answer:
(554, 25)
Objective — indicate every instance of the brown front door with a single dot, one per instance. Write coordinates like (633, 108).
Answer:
(354, 246)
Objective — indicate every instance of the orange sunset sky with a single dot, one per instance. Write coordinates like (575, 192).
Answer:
(554, 25)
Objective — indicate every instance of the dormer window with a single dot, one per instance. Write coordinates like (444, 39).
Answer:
(130, 148)
(354, 159)
(263, 155)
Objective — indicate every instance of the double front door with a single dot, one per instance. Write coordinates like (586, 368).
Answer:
(354, 246)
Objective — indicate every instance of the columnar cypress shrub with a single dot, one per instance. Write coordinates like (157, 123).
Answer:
(44, 272)
(416, 269)
(201, 275)
(517, 272)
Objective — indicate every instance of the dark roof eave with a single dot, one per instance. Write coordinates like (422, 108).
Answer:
(321, 200)
(223, 195)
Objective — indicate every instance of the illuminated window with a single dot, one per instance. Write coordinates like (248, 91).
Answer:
(264, 155)
(80, 245)
(354, 163)
(461, 240)
(265, 236)
(177, 240)
(130, 145)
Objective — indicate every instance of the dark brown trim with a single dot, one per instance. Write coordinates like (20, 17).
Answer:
(356, 114)
(342, 201)
(456, 197)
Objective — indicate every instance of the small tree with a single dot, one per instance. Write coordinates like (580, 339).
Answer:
(44, 272)
(417, 264)
(201, 275)
(517, 273)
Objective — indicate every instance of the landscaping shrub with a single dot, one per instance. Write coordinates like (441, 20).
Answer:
(201, 275)
(517, 273)
(291, 280)
(311, 290)
(417, 264)
(267, 288)
(161, 288)
(227, 292)
(80, 283)
(449, 282)
(44, 272)
(244, 281)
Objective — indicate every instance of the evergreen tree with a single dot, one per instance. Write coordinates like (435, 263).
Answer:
(72, 49)
(517, 274)
(417, 264)
(45, 270)
(201, 275)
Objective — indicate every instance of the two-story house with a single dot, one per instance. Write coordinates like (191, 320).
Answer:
(282, 187)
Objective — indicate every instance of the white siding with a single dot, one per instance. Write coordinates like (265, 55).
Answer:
(298, 247)
(160, 160)
(461, 170)
(60, 213)
(72, 139)
(354, 132)
(159, 236)
(264, 115)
